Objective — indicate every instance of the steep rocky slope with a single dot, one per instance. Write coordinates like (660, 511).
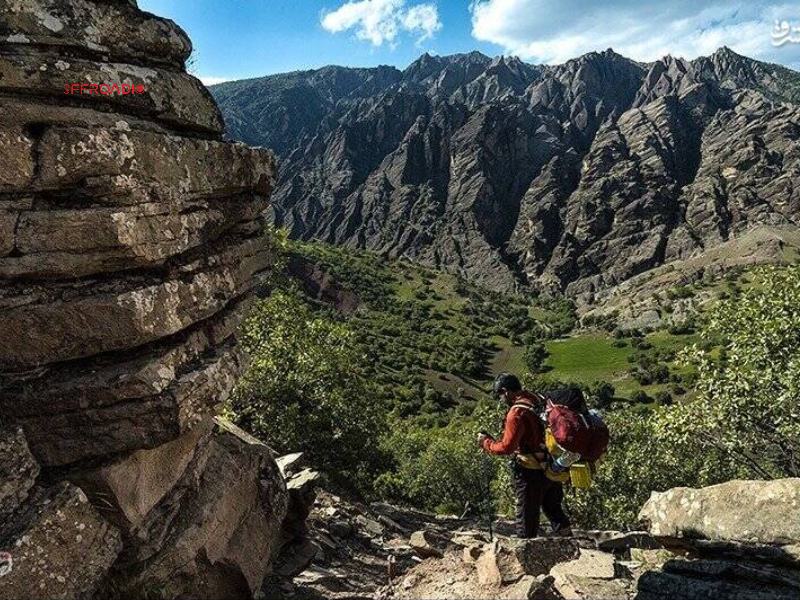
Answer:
(574, 177)
(131, 239)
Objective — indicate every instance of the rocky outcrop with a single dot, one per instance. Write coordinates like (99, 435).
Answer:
(63, 546)
(318, 284)
(131, 241)
(574, 177)
(766, 512)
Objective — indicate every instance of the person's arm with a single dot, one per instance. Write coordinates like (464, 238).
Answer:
(511, 436)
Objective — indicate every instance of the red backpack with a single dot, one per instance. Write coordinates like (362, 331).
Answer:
(574, 427)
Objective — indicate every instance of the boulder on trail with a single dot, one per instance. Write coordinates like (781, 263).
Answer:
(754, 511)
(426, 544)
(508, 560)
(594, 574)
(590, 563)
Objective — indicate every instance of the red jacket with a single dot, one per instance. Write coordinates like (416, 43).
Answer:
(523, 430)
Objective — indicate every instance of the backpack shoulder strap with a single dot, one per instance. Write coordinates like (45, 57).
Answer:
(525, 406)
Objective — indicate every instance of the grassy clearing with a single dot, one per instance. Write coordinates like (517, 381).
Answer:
(594, 357)
(586, 358)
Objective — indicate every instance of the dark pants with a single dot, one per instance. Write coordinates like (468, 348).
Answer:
(535, 492)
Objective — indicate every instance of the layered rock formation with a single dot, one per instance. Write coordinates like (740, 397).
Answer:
(131, 240)
(575, 177)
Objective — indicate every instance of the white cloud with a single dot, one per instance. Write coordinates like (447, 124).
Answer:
(423, 18)
(379, 21)
(552, 31)
(210, 80)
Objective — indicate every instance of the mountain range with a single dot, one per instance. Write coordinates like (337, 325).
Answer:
(571, 178)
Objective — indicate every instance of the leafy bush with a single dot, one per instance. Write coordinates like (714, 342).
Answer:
(441, 468)
(303, 390)
(534, 355)
(601, 394)
(680, 292)
(664, 398)
(746, 406)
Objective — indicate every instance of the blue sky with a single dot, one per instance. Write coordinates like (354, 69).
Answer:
(235, 39)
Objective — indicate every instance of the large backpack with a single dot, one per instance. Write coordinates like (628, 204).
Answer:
(573, 426)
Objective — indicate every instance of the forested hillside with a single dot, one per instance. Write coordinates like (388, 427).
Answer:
(387, 398)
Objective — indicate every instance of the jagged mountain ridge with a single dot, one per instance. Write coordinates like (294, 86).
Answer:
(573, 177)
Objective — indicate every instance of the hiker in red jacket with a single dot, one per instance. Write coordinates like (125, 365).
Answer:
(523, 440)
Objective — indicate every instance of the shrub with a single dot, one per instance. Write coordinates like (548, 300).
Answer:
(746, 406)
(601, 393)
(663, 398)
(534, 355)
(303, 390)
(441, 468)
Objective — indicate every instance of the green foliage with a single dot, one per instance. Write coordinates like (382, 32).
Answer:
(685, 327)
(607, 322)
(743, 421)
(600, 394)
(441, 468)
(642, 458)
(558, 317)
(664, 398)
(304, 391)
(390, 400)
(746, 405)
(680, 292)
(535, 355)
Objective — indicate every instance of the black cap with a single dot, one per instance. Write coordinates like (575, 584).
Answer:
(506, 382)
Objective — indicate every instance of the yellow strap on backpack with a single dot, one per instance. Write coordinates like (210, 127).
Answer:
(551, 444)
(528, 461)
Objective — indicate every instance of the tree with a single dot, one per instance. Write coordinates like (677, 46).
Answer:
(664, 398)
(440, 469)
(746, 406)
(602, 393)
(304, 389)
(534, 355)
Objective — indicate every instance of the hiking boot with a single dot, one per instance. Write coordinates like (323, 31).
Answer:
(561, 532)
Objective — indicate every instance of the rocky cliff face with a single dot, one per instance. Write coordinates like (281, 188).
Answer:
(575, 177)
(130, 243)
